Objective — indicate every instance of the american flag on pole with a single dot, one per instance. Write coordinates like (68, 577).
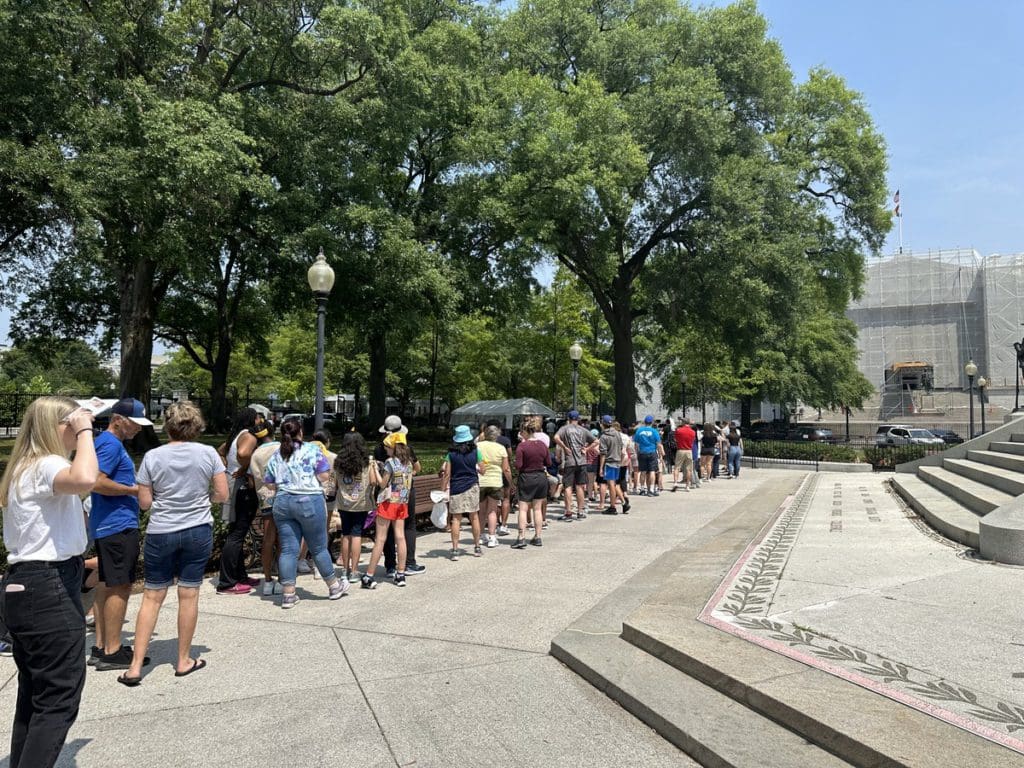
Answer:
(896, 199)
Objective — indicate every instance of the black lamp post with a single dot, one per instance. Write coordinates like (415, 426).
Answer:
(575, 354)
(683, 378)
(982, 383)
(971, 370)
(321, 279)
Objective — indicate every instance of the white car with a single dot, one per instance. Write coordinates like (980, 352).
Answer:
(903, 434)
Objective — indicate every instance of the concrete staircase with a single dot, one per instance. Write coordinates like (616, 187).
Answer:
(957, 491)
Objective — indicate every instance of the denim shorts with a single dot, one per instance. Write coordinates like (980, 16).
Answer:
(182, 554)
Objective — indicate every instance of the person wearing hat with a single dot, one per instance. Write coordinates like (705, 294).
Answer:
(460, 480)
(649, 450)
(393, 510)
(393, 424)
(114, 525)
(574, 441)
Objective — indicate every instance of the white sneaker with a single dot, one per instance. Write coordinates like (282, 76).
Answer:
(492, 542)
(268, 587)
(503, 530)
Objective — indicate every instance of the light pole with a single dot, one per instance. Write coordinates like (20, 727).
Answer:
(982, 383)
(683, 378)
(321, 279)
(575, 354)
(971, 370)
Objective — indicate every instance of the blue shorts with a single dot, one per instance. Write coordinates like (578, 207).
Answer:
(182, 554)
(611, 474)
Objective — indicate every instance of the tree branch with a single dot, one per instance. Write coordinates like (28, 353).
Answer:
(661, 232)
(274, 82)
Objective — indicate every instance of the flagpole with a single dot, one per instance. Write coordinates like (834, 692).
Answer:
(900, 219)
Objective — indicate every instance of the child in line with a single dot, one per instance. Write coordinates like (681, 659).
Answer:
(392, 507)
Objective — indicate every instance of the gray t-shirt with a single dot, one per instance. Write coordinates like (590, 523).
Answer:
(576, 440)
(180, 476)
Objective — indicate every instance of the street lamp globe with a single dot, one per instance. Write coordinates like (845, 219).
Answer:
(971, 369)
(684, 377)
(982, 382)
(320, 276)
(575, 352)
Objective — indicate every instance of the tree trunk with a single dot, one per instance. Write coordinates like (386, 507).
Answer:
(218, 386)
(433, 375)
(746, 405)
(138, 310)
(620, 320)
(378, 376)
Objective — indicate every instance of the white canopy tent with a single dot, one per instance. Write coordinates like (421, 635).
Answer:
(507, 411)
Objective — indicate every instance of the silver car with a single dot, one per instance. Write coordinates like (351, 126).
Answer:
(905, 435)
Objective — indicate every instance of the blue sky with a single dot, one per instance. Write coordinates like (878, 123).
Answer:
(944, 82)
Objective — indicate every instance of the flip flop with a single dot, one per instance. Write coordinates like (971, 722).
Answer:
(131, 682)
(196, 665)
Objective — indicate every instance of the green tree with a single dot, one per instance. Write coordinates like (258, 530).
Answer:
(643, 136)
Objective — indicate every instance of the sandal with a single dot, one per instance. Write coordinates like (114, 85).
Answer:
(197, 664)
(131, 682)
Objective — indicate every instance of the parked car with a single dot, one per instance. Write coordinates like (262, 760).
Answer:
(948, 436)
(903, 434)
(812, 434)
(766, 430)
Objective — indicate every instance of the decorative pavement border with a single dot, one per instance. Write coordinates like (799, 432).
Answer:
(740, 606)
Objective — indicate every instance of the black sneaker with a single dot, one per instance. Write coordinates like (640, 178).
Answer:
(390, 573)
(610, 511)
(625, 507)
(536, 541)
(412, 570)
(95, 654)
(520, 543)
(367, 582)
(119, 659)
(399, 579)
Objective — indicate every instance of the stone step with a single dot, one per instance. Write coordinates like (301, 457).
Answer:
(712, 728)
(1007, 447)
(1014, 461)
(1005, 480)
(976, 497)
(948, 517)
(1017, 437)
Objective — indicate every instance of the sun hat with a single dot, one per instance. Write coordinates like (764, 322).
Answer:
(462, 434)
(132, 409)
(393, 424)
(595, 433)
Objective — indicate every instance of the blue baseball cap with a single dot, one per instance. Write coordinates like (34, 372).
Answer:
(648, 419)
(132, 409)
(462, 434)
(573, 415)
(606, 419)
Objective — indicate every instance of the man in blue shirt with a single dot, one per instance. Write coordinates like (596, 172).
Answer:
(114, 524)
(649, 450)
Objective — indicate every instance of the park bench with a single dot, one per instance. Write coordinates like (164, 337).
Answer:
(423, 485)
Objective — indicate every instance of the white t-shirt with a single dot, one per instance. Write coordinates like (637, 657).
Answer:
(40, 524)
(180, 475)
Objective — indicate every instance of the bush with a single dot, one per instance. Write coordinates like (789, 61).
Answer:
(809, 451)
(888, 457)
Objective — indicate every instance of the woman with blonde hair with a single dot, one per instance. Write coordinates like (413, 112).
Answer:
(178, 483)
(40, 600)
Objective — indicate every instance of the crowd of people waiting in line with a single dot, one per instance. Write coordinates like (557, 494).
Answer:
(301, 490)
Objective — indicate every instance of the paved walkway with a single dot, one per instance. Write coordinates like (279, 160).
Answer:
(849, 581)
(452, 670)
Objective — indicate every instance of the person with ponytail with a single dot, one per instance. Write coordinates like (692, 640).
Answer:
(295, 474)
(392, 507)
(40, 597)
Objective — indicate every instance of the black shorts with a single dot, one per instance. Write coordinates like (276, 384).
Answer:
(574, 476)
(533, 486)
(647, 462)
(352, 523)
(118, 554)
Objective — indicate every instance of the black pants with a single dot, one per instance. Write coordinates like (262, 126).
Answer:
(232, 556)
(390, 558)
(41, 605)
(714, 465)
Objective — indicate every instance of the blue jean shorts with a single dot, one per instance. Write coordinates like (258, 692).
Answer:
(178, 554)
(611, 473)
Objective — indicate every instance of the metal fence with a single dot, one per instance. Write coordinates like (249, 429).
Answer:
(814, 453)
